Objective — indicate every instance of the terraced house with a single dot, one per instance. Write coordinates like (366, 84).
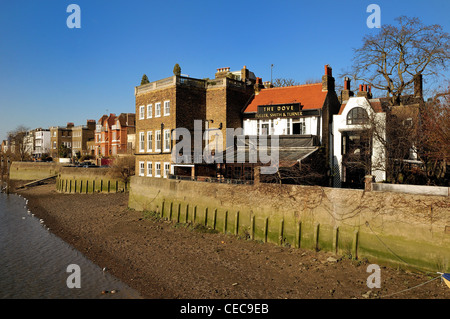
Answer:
(112, 135)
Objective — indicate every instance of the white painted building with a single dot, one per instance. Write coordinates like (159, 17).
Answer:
(41, 142)
(355, 149)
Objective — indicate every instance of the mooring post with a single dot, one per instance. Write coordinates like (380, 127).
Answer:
(335, 239)
(252, 227)
(355, 244)
(280, 238)
(316, 236)
(298, 234)
(225, 222)
(266, 229)
(236, 224)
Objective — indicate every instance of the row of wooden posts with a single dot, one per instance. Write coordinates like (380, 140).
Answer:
(176, 211)
(83, 186)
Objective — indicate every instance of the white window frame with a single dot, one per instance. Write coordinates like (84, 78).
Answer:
(156, 169)
(141, 168)
(166, 108)
(149, 169)
(157, 139)
(141, 112)
(166, 141)
(141, 142)
(158, 109)
(149, 111)
(166, 172)
(149, 141)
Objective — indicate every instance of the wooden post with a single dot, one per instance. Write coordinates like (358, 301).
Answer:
(194, 217)
(225, 222)
(206, 216)
(178, 213)
(214, 219)
(252, 227)
(316, 236)
(355, 244)
(187, 214)
(298, 235)
(236, 224)
(280, 238)
(335, 239)
(266, 229)
(170, 211)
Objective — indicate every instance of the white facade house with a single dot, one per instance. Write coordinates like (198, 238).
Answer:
(41, 142)
(355, 149)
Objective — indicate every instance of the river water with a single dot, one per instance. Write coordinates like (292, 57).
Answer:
(34, 262)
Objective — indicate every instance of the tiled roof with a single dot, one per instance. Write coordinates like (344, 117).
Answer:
(310, 96)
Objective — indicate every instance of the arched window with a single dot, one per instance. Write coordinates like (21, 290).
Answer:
(357, 115)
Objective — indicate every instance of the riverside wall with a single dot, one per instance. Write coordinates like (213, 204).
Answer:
(410, 231)
(69, 179)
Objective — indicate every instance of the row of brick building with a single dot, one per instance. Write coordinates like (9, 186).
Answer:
(108, 137)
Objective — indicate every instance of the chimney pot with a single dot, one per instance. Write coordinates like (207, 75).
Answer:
(365, 87)
(360, 88)
(328, 70)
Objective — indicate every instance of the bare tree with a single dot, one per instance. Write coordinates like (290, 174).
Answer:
(123, 167)
(18, 145)
(283, 82)
(390, 59)
(435, 137)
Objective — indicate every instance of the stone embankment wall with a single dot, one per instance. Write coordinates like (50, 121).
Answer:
(411, 231)
(88, 180)
(69, 179)
(29, 171)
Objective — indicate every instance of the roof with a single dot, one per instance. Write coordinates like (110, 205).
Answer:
(377, 105)
(380, 105)
(310, 96)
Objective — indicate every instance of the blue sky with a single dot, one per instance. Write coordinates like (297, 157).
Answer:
(51, 75)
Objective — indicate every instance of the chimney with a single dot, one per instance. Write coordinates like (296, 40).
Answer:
(327, 79)
(222, 72)
(258, 85)
(418, 85)
(363, 91)
(70, 125)
(346, 93)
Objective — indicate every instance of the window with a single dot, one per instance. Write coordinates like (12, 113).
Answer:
(299, 126)
(141, 142)
(141, 112)
(166, 140)
(54, 145)
(158, 141)
(149, 141)
(141, 168)
(149, 169)
(157, 109)
(166, 169)
(166, 108)
(149, 111)
(157, 169)
(357, 115)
